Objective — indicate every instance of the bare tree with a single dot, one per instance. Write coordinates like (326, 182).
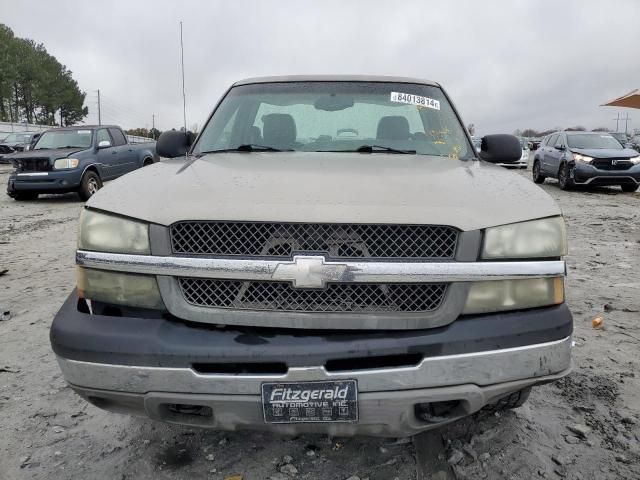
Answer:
(472, 129)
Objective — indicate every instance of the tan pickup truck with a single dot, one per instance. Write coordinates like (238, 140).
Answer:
(278, 273)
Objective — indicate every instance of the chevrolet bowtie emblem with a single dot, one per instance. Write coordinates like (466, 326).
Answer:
(309, 272)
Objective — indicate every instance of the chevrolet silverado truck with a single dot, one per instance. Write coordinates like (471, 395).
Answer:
(76, 159)
(274, 274)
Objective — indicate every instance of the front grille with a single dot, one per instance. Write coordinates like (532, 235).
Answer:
(334, 240)
(337, 297)
(606, 164)
(33, 165)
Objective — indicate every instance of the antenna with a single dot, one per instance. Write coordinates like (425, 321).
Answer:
(184, 97)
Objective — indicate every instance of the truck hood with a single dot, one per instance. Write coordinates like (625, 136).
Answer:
(606, 152)
(50, 153)
(327, 188)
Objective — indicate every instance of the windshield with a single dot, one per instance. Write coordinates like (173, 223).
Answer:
(621, 137)
(64, 139)
(17, 138)
(337, 117)
(588, 140)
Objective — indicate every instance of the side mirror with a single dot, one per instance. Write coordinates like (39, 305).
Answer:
(174, 143)
(104, 144)
(559, 147)
(500, 148)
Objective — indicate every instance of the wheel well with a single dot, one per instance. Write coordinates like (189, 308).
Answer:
(147, 161)
(92, 168)
(562, 165)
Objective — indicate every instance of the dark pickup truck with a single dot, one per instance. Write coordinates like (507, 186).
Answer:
(76, 159)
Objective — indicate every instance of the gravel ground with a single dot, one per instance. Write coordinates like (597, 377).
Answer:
(585, 426)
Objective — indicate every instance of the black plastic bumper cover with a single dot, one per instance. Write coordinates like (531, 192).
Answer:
(168, 342)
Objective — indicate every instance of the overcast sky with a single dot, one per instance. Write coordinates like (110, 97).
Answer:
(506, 64)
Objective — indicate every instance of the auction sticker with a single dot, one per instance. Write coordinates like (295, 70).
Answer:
(415, 100)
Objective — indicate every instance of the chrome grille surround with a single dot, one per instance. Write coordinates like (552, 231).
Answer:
(282, 240)
(336, 297)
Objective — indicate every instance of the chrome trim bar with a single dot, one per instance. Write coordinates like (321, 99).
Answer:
(480, 368)
(349, 271)
(608, 177)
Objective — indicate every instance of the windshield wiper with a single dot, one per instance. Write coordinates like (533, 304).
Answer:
(248, 147)
(382, 148)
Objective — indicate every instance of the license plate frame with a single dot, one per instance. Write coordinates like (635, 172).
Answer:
(334, 401)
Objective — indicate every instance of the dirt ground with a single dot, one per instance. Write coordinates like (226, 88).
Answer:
(586, 426)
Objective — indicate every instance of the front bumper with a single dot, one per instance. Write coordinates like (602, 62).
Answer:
(44, 182)
(513, 165)
(142, 365)
(584, 174)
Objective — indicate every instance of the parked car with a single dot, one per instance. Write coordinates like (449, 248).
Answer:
(587, 158)
(284, 279)
(17, 141)
(634, 142)
(477, 143)
(622, 138)
(76, 159)
(534, 143)
(14, 142)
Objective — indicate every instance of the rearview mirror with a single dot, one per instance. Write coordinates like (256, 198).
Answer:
(174, 143)
(104, 144)
(559, 147)
(333, 103)
(500, 148)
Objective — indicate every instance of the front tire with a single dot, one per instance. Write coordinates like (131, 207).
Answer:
(564, 178)
(629, 188)
(89, 185)
(20, 197)
(537, 174)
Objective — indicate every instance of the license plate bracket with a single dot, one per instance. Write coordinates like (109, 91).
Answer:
(334, 401)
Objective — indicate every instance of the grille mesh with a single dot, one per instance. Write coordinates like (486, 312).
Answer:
(338, 297)
(336, 240)
(606, 164)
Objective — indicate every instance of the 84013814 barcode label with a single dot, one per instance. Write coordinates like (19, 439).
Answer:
(415, 100)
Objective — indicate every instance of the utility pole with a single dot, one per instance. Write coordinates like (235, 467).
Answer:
(626, 121)
(626, 124)
(99, 115)
(153, 126)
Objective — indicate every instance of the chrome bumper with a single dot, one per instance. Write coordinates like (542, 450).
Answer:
(387, 397)
(481, 368)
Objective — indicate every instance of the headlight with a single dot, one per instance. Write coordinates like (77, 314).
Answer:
(501, 295)
(582, 158)
(119, 288)
(545, 238)
(108, 233)
(65, 163)
(635, 160)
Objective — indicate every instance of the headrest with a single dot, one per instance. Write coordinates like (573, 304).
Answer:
(279, 130)
(393, 128)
